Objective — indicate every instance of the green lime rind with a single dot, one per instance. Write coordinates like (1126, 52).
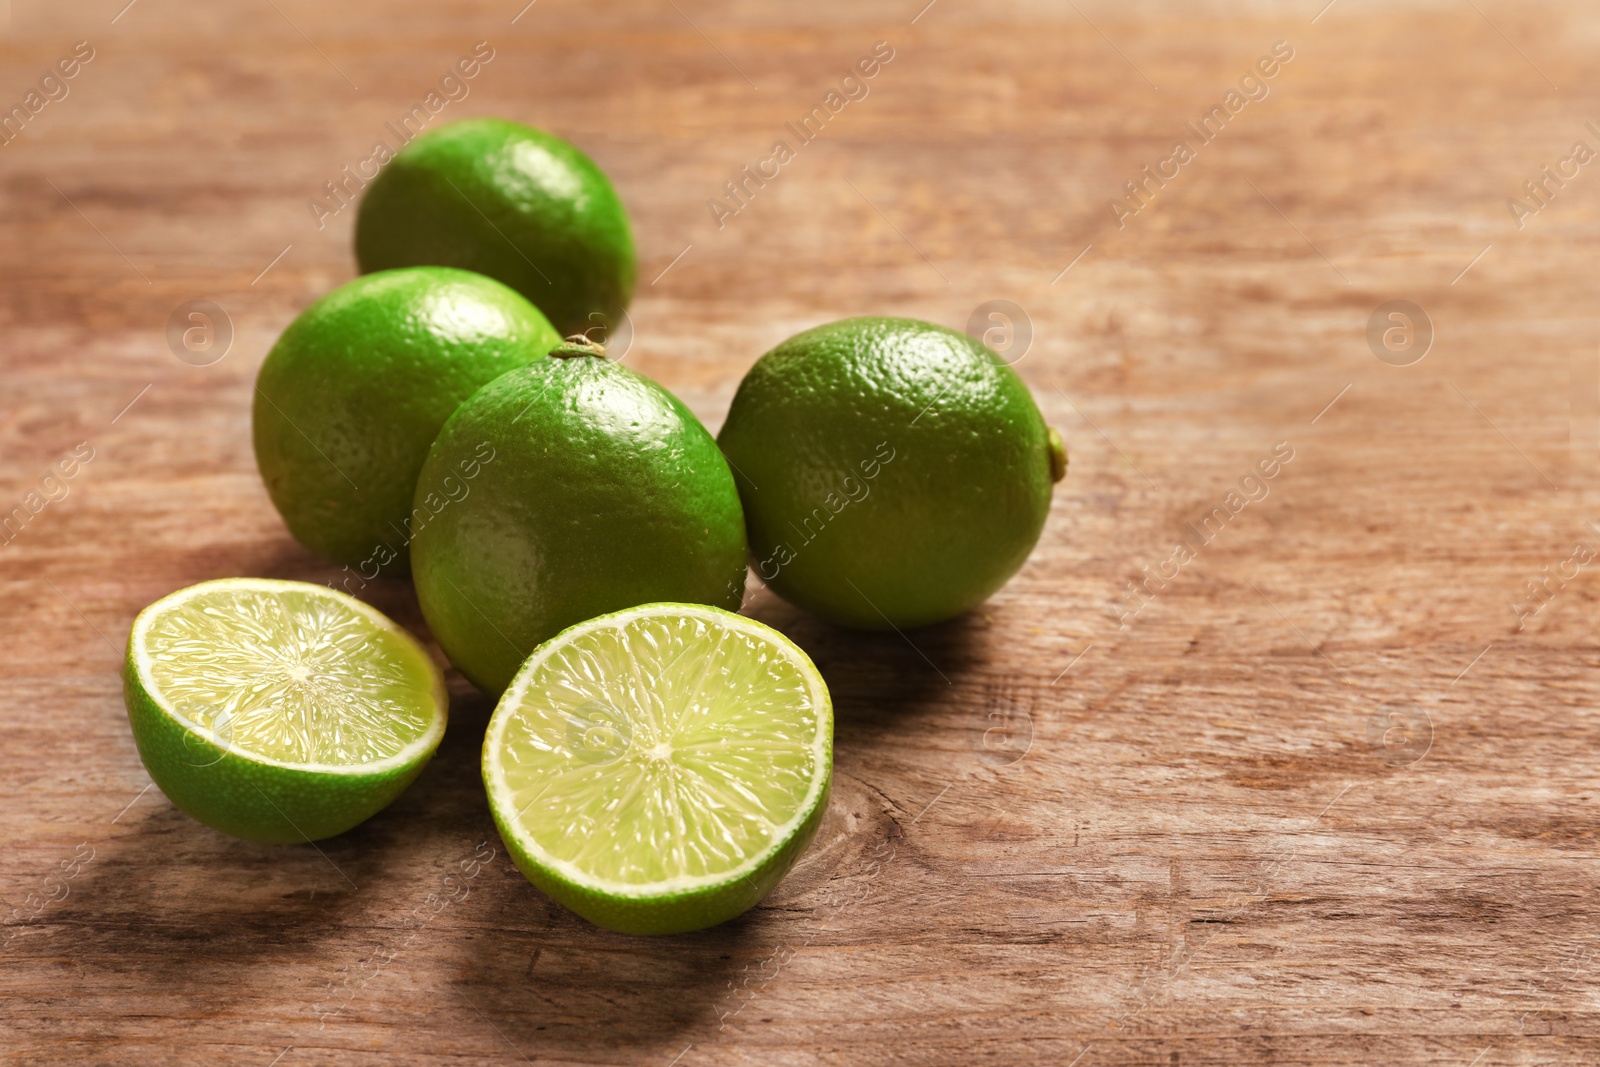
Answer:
(680, 913)
(356, 389)
(695, 903)
(256, 797)
(599, 490)
(510, 201)
(894, 473)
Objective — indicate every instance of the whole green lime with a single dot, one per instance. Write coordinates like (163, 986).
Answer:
(509, 201)
(894, 473)
(596, 491)
(354, 392)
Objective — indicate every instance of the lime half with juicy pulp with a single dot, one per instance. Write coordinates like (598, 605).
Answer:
(279, 711)
(659, 769)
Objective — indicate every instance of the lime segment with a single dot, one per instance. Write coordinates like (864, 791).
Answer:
(660, 768)
(279, 711)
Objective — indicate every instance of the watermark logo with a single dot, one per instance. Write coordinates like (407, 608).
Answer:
(598, 733)
(1004, 327)
(1008, 738)
(1399, 333)
(1400, 734)
(207, 748)
(199, 332)
(617, 342)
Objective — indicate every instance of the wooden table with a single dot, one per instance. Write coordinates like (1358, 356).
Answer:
(1324, 794)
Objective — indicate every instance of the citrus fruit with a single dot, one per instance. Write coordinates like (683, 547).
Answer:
(894, 473)
(509, 201)
(659, 769)
(604, 492)
(279, 711)
(354, 392)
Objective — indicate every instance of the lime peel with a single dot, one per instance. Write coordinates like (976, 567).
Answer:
(215, 672)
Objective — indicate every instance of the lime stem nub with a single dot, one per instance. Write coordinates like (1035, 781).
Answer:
(578, 345)
(1058, 456)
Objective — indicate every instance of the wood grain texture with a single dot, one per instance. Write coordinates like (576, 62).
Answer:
(1062, 834)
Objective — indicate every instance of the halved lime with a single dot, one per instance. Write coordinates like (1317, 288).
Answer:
(279, 711)
(659, 769)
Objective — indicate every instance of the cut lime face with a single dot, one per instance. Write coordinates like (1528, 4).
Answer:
(279, 711)
(288, 674)
(660, 768)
